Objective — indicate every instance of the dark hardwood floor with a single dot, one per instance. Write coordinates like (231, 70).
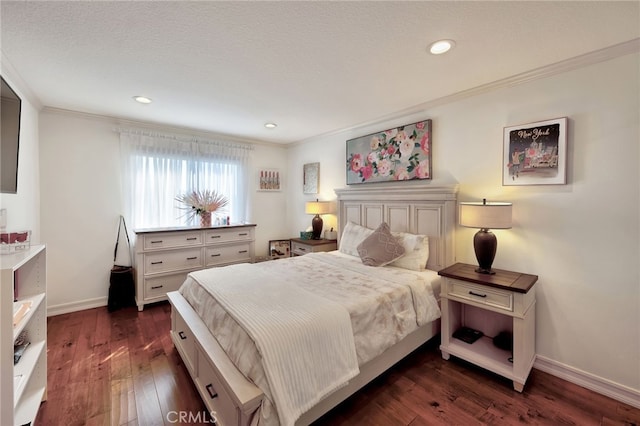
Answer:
(121, 368)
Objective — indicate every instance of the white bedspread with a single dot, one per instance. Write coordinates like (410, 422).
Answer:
(306, 341)
(384, 305)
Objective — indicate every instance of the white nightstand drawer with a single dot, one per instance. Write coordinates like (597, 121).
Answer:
(226, 254)
(481, 294)
(166, 261)
(159, 286)
(225, 235)
(300, 249)
(168, 240)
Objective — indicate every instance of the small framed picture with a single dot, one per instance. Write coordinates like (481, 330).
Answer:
(269, 180)
(279, 248)
(310, 178)
(535, 153)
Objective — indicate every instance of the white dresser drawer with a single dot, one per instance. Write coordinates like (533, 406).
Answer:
(172, 239)
(175, 260)
(218, 255)
(222, 235)
(159, 286)
(213, 393)
(482, 295)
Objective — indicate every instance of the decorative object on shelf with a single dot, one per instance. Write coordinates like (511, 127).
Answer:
(485, 216)
(330, 235)
(269, 180)
(310, 178)
(402, 153)
(202, 204)
(11, 242)
(306, 235)
(279, 248)
(535, 153)
(205, 219)
(317, 208)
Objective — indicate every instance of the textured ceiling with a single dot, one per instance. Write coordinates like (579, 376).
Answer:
(312, 67)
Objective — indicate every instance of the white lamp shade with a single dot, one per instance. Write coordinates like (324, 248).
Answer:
(317, 207)
(488, 216)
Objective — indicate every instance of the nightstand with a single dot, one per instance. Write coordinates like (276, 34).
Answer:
(490, 304)
(301, 247)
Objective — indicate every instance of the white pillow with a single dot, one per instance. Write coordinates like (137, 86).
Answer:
(416, 251)
(352, 235)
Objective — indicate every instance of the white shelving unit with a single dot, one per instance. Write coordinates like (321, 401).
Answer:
(23, 386)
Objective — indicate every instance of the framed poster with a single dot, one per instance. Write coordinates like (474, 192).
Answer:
(401, 153)
(279, 248)
(535, 153)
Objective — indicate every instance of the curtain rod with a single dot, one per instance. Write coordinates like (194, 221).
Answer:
(180, 138)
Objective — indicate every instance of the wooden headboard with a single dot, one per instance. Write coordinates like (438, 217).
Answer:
(418, 209)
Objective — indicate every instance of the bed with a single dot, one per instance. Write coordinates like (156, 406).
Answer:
(348, 348)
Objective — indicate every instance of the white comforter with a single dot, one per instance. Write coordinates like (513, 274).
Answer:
(306, 334)
(384, 305)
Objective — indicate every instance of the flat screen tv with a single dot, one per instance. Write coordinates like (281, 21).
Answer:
(9, 140)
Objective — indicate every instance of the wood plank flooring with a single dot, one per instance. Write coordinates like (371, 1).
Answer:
(121, 368)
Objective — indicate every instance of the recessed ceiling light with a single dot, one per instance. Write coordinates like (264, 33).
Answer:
(270, 125)
(441, 46)
(142, 99)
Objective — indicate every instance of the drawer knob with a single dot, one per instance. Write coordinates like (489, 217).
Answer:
(477, 294)
(216, 255)
(182, 335)
(243, 251)
(192, 238)
(243, 234)
(156, 242)
(156, 287)
(215, 236)
(212, 393)
(192, 258)
(156, 263)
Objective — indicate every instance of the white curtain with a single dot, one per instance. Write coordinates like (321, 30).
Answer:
(159, 167)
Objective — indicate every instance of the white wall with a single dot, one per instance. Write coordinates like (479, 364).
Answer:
(23, 207)
(81, 204)
(581, 239)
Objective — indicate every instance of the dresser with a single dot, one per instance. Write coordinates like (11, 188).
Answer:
(164, 256)
(490, 305)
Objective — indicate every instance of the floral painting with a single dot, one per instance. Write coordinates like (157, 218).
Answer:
(402, 153)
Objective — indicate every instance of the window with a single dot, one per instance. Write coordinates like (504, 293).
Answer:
(157, 168)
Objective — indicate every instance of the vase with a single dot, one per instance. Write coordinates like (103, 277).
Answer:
(205, 219)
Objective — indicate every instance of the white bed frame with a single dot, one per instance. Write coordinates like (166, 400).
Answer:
(407, 207)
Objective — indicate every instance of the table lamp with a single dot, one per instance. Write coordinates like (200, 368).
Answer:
(317, 208)
(485, 216)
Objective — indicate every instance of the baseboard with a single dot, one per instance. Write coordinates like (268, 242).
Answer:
(590, 381)
(66, 308)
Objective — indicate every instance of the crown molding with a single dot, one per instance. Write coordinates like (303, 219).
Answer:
(16, 82)
(148, 126)
(577, 62)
